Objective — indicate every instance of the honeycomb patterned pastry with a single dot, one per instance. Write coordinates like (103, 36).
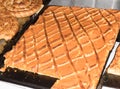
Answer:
(70, 43)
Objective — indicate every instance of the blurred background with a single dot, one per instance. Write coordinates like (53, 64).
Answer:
(106, 4)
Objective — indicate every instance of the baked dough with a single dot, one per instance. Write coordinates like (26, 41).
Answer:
(8, 24)
(22, 8)
(115, 66)
(69, 43)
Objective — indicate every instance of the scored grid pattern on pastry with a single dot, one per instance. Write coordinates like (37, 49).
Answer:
(70, 43)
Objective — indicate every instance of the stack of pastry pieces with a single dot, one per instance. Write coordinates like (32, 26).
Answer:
(70, 43)
(13, 14)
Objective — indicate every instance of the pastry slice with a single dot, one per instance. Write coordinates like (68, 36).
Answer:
(115, 66)
(69, 43)
(11, 17)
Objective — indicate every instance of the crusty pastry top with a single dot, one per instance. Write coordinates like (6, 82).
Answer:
(22, 8)
(70, 43)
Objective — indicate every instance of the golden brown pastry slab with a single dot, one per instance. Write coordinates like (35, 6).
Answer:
(69, 43)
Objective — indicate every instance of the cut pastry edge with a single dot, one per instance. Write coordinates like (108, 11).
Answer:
(115, 66)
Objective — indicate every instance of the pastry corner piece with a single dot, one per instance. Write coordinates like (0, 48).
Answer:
(115, 66)
(70, 43)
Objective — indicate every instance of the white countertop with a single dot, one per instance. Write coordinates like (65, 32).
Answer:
(6, 85)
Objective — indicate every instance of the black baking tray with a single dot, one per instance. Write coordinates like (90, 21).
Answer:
(25, 78)
(112, 81)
